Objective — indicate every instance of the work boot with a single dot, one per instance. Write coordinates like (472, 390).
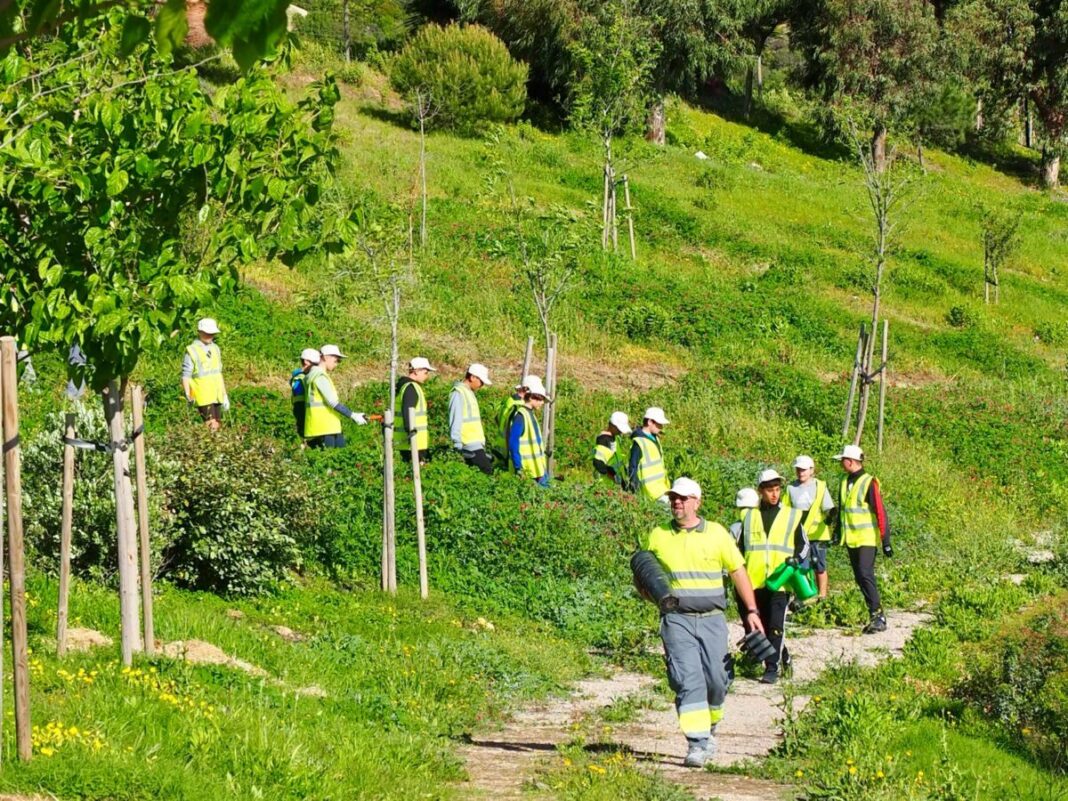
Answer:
(699, 753)
(771, 676)
(876, 624)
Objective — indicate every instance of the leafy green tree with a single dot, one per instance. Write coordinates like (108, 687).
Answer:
(465, 73)
(760, 20)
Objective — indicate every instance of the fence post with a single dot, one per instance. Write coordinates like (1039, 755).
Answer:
(142, 520)
(65, 537)
(16, 563)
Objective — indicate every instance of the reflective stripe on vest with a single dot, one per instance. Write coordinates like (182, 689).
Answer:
(692, 564)
(859, 526)
(206, 383)
(765, 552)
(815, 526)
(319, 419)
(531, 451)
(611, 456)
(652, 475)
(422, 434)
(471, 433)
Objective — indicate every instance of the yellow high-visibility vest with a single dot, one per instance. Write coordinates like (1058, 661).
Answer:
(422, 433)
(696, 561)
(206, 384)
(471, 432)
(765, 551)
(531, 450)
(815, 526)
(319, 418)
(652, 475)
(859, 525)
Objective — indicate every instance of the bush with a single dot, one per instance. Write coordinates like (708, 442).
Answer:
(466, 72)
(961, 317)
(1052, 332)
(644, 320)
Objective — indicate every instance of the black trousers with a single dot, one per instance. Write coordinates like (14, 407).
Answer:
(772, 608)
(327, 441)
(298, 418)
(863, 562)
(480, 459)
(424, 456)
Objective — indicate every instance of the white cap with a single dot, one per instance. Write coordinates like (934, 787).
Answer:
(686, 487)
(208, 326)
(421, 363)
(310, 355)
(747, 498)
(481, 372)
(656, 414)
(768, 476)
(525, 381)
(620, 421)
(803, 462)
(850, 452)
(535, 387)
(331, 350)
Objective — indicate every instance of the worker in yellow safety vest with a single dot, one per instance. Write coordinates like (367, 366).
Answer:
(465, 419)
(202, 379)
(771, 534)
(526, 451)
(322, 422)
(811, 496)
(696, 555)
(610, 451)
(411, 398)
(504, 417)
(309, 357)
(646, 471)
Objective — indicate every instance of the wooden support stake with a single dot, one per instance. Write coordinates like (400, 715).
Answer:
(389, 530)
(630, 217)
(527, 358)
(549, 415)
(615, 219)
(16, 557)
(138, 401)
(883, 379)
(604, 210)
(420, 528)
(853, 383)
(65, 537)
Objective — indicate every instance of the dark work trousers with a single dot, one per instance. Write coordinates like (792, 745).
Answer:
(327, 441)
(298, 418)
(772, 607)
(424, 456)
(480, 459)
(863, 561)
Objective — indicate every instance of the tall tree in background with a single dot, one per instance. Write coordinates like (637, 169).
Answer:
(869, 55)
(760, 22)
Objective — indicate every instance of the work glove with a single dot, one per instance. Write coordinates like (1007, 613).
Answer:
(226, 404)
(888, 550)
(359, 419)
(836, 539)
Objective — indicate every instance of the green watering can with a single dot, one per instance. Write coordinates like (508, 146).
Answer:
(796, 580)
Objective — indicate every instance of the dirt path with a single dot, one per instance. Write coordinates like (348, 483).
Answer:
(500, 762)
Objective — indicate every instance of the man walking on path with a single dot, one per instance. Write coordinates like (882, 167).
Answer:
(309, 357)
(202, 380)
(504, 416)
(810, 495)
(608, 459)
(772, 534)
(322, 421)
(696, 554)
(526, 452)
(861, 515)
(410, 396)
(465, 419)
(646, 472)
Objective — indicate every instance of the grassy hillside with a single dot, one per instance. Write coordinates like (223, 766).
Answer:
(739, 318)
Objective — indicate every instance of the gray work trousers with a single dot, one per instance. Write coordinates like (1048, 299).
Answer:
(695, 649)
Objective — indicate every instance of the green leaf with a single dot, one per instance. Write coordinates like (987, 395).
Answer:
(135, 30)
(276, 188)
(117, 181)
(171, 26)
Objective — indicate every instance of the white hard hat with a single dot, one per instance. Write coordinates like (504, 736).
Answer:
(850, 452)
(525, 381)
(310, 355)
(535, 387)
(620, 421)
(481, 372)
(331, 350)
(747, 498)
(421, 363)
(768, 476)
(803, 462)
(685, 487)
(656, 414)
(208, 326)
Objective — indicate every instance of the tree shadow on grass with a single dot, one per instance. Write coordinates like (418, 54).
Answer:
(402, 118)
(1015, 162)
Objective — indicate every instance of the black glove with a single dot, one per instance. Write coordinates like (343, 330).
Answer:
(888, 550)
(836, 539)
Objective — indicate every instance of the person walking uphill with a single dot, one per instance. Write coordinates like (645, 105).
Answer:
(646, 472)
(810, 495)
(862, 515)
(309, 357)
(771, 534)
(526, 451)
(465, 419)
(202, 379)
(410, 397)
(322, 421)
(696, 554)
(608, 459)
(504, 417)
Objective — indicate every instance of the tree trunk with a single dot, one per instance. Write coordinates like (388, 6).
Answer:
(346, 31)
(1051, 169)
(919, 155)
(749, 79)
(422, 169)
(1029, 124)
(656, 123)
(979, 121)
(878, 149)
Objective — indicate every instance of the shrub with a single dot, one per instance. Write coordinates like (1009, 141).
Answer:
(644, 320)
(961, 317)
(466, 72)
(1051, 332)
